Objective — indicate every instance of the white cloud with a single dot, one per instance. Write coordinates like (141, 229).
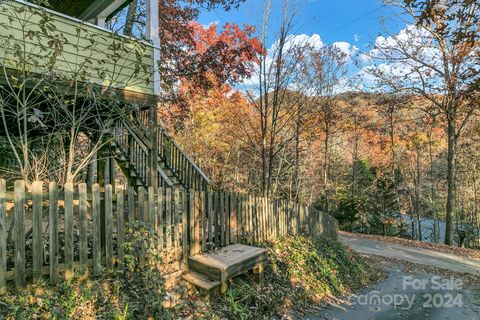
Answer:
(295, 41)
(356, 37)
(213, 23)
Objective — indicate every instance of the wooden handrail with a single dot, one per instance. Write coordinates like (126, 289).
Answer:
(144, 146)
(186, 171)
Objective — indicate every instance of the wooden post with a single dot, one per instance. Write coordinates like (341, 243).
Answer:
(210, 214)
(196, 215)
(176, 222)
(191, 218)
(227, 218)
(83, 209)
(141, 204)
(131, 205)
(168, 216)
(97, 248)
(203, 232)
(161, 225)
(258, 273)
(68, 230)
(108, 226)
(120, 227)
(37, 235)
(153, 152)
(3, 236)
(215, 212)
(53, 231)
(112, 171)
(233, 217)
(19, 231)
(151, 211)
(184, 228)
(102, 178)
(222, 219)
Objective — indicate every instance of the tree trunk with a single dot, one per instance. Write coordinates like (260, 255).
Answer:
(326, 163)
(451, 172)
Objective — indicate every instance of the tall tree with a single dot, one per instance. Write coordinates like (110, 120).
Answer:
(435, 58)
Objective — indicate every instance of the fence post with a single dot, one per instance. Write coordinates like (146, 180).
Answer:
(97, 248)
(185, 228)
(83, 209)
(203, 224)
(120, 227)
(161, 222)
(19, 230)
(227, 210)
(191, 215)
(210, 214)
(108, 226)
(176, 222)
(3, 236)
(131, 205)
(168, 217)
(37, 236)
(234, 217)
(53, 231)
(196, 230)
(216, 219)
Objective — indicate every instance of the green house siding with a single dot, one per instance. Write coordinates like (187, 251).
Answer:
(43, 42)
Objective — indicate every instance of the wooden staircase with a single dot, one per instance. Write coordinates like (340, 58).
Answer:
(131, 147)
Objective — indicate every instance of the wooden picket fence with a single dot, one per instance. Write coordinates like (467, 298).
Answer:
(55, 230)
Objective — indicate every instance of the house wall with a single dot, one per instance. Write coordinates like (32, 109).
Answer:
(46, 42)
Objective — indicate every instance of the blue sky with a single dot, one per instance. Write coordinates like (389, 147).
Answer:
(357, 22)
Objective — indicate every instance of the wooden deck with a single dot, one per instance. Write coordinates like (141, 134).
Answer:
(220, 266)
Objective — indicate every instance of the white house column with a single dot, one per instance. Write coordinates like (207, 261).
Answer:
(153, 33)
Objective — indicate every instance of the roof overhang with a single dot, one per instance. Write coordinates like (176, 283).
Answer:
(89, 9)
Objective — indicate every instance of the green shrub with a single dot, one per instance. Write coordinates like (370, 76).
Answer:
(302, 272)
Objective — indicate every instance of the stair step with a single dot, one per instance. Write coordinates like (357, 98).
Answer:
(200, 280)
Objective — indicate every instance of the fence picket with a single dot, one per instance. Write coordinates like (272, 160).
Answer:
(196, 229)
(233, 218)
(53, 231)
(131, 205)
(37, 232)
(184, 227)
(161, 226)
(168, 217)
(108, 226)
(19, 231)
(216, 219)
(97, 250)
(151, 211)
(82, 211)
(3, 236)
(222, 219)
(120, 227)
(68, 230)
(176, 221)
(191, 210)
(203, 224)
(227, 218)
(210, 216)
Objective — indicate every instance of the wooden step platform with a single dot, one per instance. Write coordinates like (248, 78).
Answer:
(228, 262)
(201, 281)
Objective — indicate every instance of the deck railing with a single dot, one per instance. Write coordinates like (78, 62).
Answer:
(173, 157)
(60, 230)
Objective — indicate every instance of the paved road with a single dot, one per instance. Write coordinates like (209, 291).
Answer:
(412, 254)
(409, 296)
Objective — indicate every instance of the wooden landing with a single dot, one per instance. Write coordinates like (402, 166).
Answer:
(226, 263)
